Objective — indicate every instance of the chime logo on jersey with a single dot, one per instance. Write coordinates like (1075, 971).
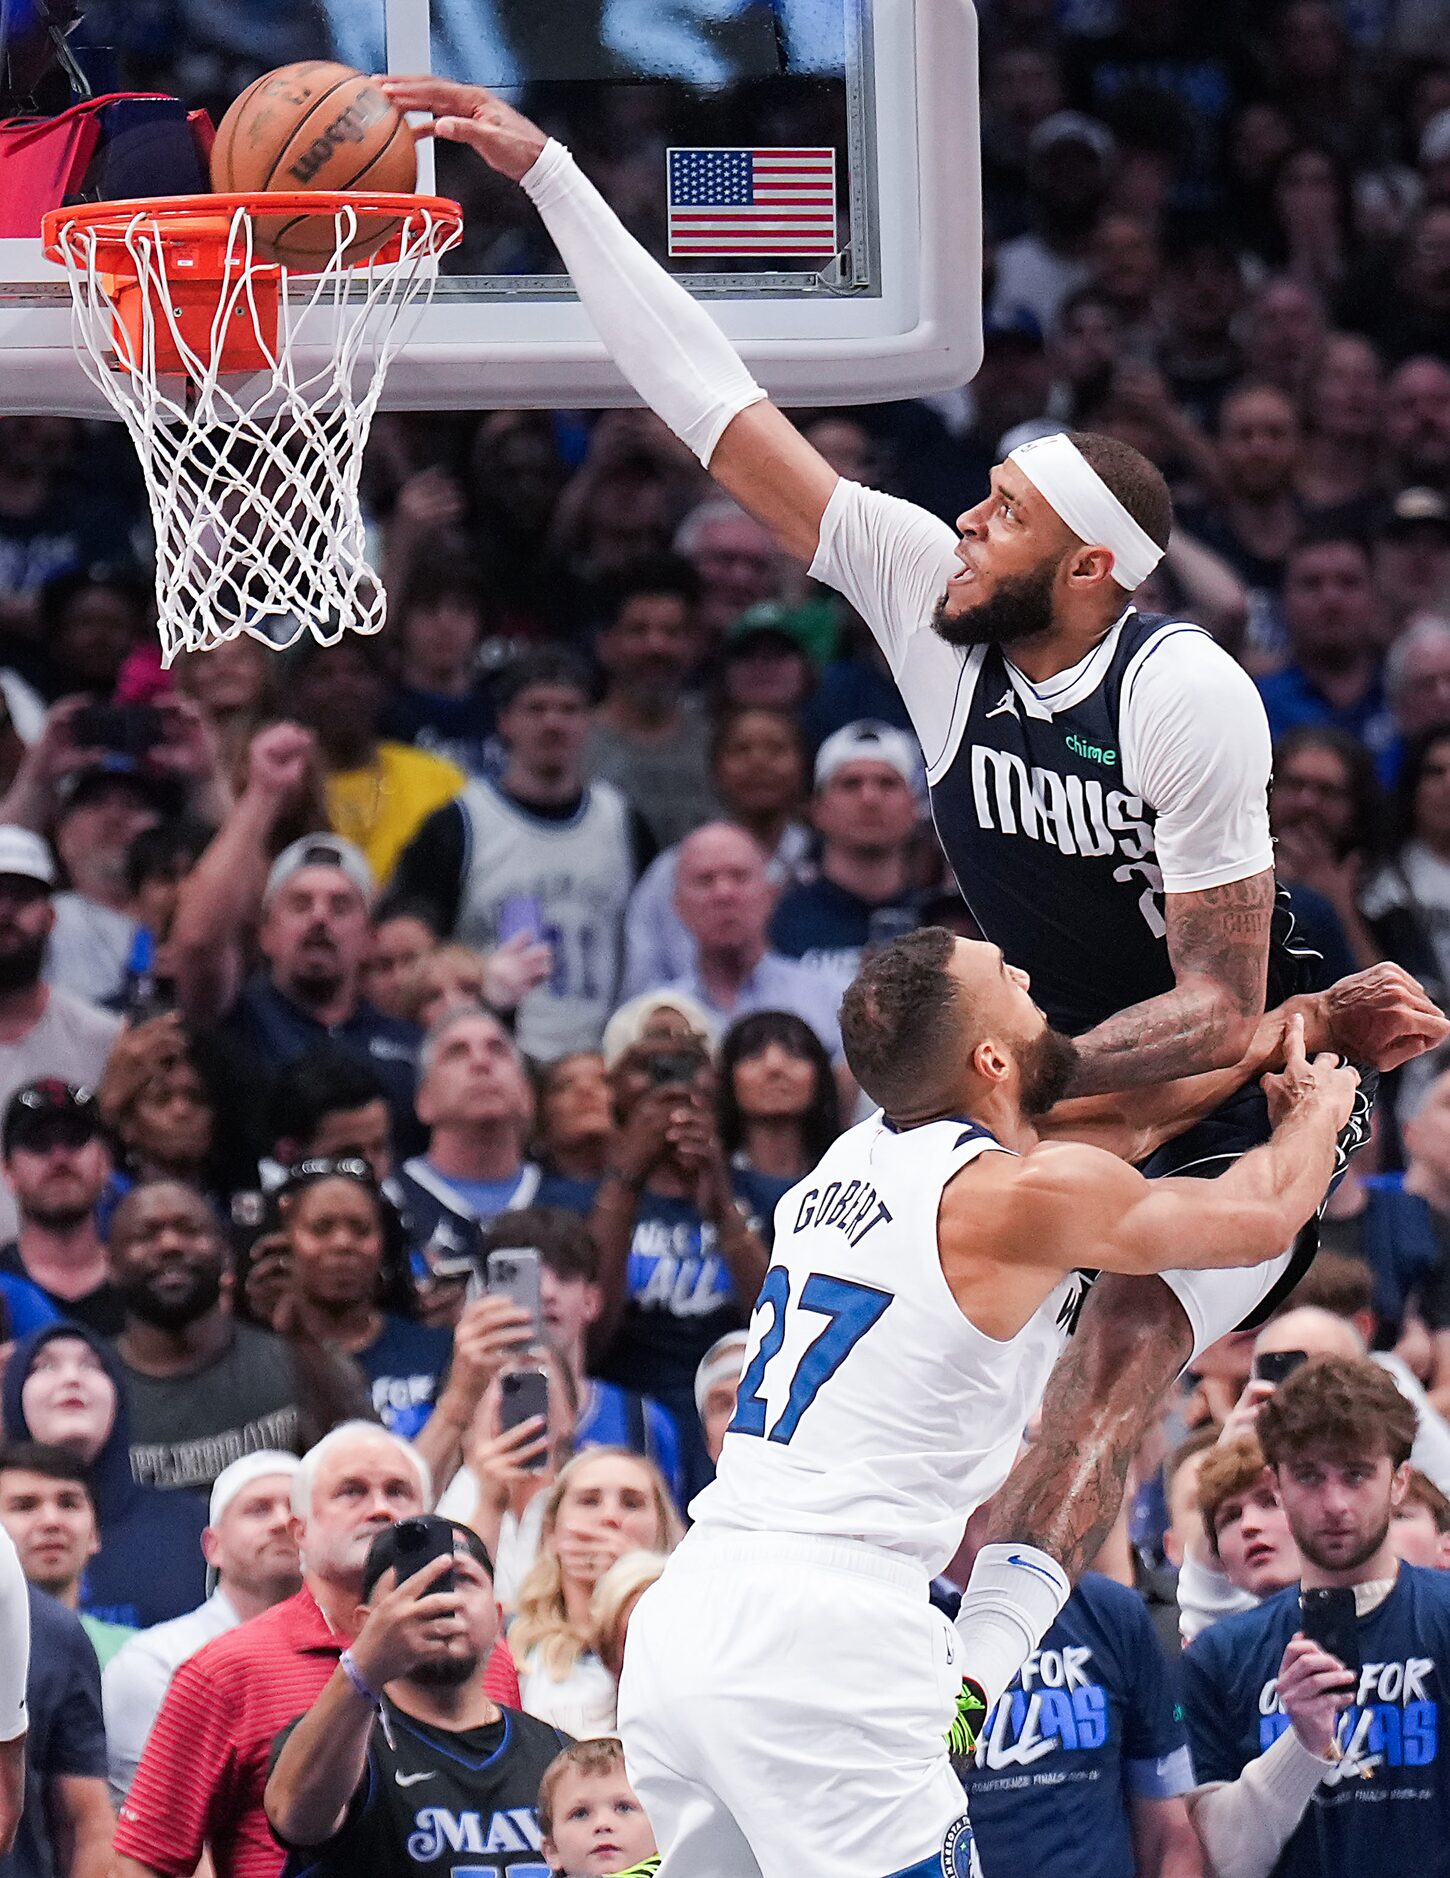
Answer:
(436, 1831)
(1060, 1706)
(1394, 1721)
(1074, 814)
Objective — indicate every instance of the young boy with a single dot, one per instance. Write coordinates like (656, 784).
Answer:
(591, 1821)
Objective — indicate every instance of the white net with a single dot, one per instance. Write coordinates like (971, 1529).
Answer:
(253, 477)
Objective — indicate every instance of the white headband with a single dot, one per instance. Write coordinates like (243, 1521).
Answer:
(1064, 477)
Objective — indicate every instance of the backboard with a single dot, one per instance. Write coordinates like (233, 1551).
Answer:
(697, 119)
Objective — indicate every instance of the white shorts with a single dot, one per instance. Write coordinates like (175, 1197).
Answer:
(784, 1708)
(1217, 1302)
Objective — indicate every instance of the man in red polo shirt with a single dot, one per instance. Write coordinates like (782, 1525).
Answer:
(202, 1776)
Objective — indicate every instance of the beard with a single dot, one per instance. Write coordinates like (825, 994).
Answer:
(1048, 1065)
(21, 966)
(1344, 1562)
(445, 1672)
(178, 1310)
(1020, 608)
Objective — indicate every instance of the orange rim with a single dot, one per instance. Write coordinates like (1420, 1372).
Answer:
(203, 224)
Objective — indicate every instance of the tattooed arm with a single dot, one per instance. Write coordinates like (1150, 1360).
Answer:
(1218, 941)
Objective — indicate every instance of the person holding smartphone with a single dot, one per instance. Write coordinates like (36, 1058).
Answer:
(1306, 1715)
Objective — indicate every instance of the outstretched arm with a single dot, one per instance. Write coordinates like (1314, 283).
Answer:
(661, 338)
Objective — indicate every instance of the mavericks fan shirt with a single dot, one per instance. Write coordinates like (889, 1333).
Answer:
(1069, 808)
(1385, 1806)
(1090, 1723)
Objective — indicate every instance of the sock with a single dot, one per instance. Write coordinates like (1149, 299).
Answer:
(1012, 1598)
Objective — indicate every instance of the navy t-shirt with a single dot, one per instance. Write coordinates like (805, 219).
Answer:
(67, 1734)
(681, 1298)
(1091, 1721)
(402, 1365)
(827, 927)
(460, 729)
(1385, 1806)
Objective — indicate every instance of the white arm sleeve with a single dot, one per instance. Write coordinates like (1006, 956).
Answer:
(659, 336)
(1244, 1825)
(1196, 749)
(892, 560)
(14, 1642)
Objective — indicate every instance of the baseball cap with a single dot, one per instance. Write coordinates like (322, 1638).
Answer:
(383, 1552)
(1415, 508)
(868, 741)
(163, 793)
(322, 851)
(49, 1113)
(630, 1022)
(1072, 127)
(24, 855)
(810, 627)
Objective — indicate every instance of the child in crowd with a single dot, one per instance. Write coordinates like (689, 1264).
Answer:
(591, 1821)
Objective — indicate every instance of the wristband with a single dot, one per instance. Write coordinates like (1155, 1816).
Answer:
(354, 1675)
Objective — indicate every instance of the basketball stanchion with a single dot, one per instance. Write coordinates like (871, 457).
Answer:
(249, 390)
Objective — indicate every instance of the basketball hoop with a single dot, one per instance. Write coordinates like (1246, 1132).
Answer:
(249, 390)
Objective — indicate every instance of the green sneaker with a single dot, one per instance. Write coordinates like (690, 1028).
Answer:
(967, 1724)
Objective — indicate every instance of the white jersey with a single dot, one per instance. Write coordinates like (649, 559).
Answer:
(581, 872)
(870, 1407)
(14, 1641)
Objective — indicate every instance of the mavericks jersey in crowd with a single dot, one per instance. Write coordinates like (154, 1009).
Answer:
(581, 871)
(870, 1407)
(1385, 1805)
(1090, 1723)
(1068, 808)
(440, 1803)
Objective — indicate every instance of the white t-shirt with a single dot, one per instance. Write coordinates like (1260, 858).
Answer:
(1194, 736)
(135, 1681)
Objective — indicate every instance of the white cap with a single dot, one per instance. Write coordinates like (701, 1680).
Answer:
(628, 1025)
(722, 1362)
(239, 1476)
(868, 741)
(25, 855)
(322, 850)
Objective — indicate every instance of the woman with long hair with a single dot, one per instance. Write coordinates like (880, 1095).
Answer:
(574, 1116)
(776, 1095)
(605, 1503)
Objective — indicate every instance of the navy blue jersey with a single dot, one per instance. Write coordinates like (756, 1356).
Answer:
(1091, 1721)
(1385, 1807)
(1054, 853)
(403, 1364)
(63, 1699)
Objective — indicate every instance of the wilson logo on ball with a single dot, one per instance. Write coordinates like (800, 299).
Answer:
(350, 126)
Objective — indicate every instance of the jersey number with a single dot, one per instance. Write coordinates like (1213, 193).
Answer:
(1150, 899)
(850, 1311)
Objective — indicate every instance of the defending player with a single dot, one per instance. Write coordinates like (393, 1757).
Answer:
(786, 1681)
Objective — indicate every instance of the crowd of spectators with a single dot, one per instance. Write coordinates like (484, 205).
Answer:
(324, 976)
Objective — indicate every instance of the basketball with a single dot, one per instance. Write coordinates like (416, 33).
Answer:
(317, 125)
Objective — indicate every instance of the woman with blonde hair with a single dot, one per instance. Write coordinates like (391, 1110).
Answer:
(605, 1503)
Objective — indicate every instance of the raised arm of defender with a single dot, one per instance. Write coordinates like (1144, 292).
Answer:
(664, 342)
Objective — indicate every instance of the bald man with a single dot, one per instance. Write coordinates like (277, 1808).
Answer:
(1322, 1333)
(724, 901)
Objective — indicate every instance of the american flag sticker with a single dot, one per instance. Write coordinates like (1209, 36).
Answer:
(730, 202)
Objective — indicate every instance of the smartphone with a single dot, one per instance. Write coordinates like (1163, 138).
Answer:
(419, 1542)
(1327, 1616)
(665, 1067)
(1278, 1366)
(128, 729)
(513, 1272)
(524, 1393)
(522, 914)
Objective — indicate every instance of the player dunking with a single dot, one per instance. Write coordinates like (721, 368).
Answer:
(1100, 794)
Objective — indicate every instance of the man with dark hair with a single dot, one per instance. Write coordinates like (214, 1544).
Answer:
(47, 1507)
(330, 1103)
(1331, 614)
(1314, 1764)
(439, 701)
(649, 738)
(407, 1704)
(540, 852)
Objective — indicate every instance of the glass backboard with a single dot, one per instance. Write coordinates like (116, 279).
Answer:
(809, 167)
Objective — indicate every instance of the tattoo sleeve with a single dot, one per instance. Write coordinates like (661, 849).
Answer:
(1065, 1492)
(1218, 943)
